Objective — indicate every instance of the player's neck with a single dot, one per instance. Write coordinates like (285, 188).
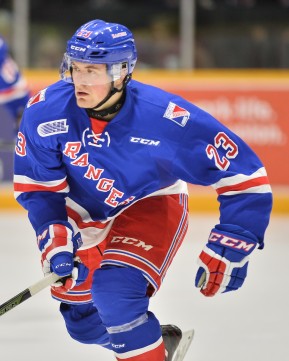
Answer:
(109, 109)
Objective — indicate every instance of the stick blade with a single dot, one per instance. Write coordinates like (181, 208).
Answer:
(184, 345)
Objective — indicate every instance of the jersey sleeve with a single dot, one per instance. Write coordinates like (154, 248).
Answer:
(39, 176)
(210, 154)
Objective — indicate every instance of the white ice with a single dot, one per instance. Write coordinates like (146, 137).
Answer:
(251, 324)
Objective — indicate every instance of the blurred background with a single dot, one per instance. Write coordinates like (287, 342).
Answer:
(222, 33)
(231, 58)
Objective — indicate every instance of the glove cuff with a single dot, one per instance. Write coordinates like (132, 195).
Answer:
(45, 226)
(51, 235)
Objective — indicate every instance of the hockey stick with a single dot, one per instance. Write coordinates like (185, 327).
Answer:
(28, 292)
(184, 345)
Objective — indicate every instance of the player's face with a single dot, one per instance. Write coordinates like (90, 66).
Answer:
(92, 83)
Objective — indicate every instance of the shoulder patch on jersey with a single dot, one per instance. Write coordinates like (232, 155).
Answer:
(39, 97)
(177, 114)
(53, 127)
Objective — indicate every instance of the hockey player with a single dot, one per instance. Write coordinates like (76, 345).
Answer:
(101, 165)
(14, 92)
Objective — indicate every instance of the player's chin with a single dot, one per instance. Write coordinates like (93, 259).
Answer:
(83, 102)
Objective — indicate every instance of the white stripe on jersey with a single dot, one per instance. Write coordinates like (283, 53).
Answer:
(239, 179)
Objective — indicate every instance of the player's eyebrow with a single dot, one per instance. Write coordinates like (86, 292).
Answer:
(87, 66)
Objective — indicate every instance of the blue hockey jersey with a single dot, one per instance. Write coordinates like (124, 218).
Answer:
(156, 144)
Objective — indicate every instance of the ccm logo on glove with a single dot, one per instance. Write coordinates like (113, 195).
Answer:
(63, 265)
(223, 263)
(231, 242)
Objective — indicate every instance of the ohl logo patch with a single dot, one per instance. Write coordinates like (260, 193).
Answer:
(177, 114)
(53, 127)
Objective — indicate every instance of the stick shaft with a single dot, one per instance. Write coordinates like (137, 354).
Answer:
(27, 293)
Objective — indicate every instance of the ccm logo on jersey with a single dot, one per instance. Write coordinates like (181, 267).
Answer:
(145, 141)
(177, 114)
(231, 242)
(132, 241)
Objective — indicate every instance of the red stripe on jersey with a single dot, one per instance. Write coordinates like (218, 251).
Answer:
(8, 91)
(244, 185)
(20, 187)
(80, 223)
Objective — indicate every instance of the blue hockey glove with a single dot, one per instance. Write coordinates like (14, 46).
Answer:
(223, 262)
(58, 246)
(78, 276)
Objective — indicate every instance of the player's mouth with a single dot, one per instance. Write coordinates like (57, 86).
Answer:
(81, 94)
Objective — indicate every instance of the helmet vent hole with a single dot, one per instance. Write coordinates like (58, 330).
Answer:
(98, 53)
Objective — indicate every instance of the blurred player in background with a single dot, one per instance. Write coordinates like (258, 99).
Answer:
(101, 165)
(14, 92)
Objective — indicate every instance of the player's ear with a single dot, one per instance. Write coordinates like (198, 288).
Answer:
(124, 71)
(118, 83)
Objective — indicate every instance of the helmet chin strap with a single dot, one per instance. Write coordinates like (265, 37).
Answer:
(101, 114)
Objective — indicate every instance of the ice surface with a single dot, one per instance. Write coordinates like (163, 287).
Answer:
(250, 324)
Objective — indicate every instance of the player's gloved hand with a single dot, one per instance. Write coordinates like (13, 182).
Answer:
(58, 246)
(223, 262)
(78, 276)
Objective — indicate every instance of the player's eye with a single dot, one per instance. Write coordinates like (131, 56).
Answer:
(75, 68)
(93, 71)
